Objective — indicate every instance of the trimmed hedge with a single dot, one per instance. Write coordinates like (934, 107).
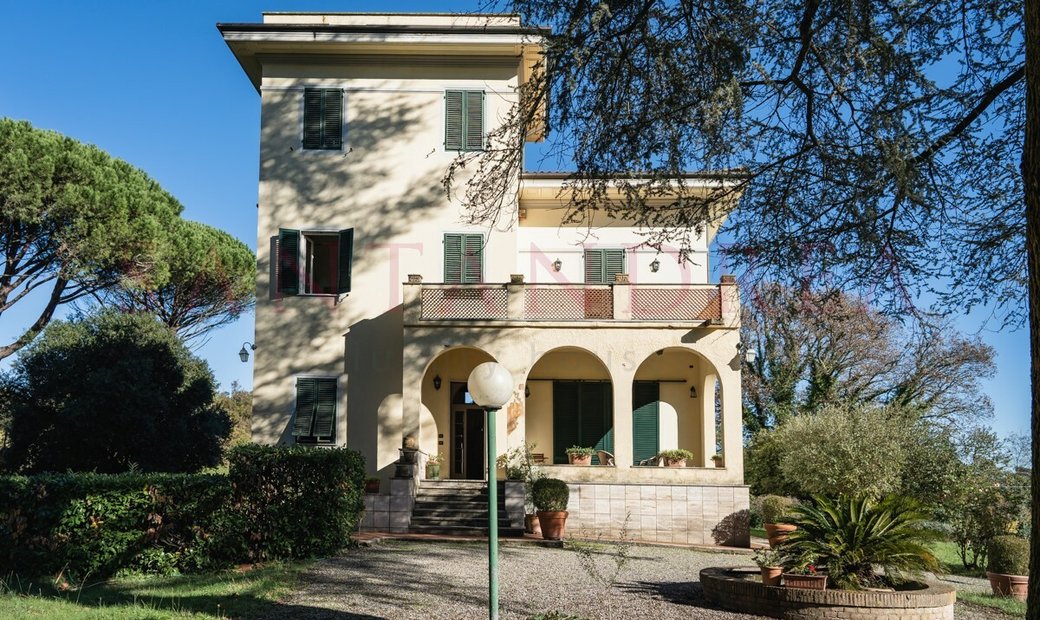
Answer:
(276, 503)
(1008, 555)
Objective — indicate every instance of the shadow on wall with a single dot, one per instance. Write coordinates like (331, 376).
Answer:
(372, 354)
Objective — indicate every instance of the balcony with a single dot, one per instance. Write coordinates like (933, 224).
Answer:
(621, 303)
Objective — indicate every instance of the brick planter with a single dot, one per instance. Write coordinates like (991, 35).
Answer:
(740, 590)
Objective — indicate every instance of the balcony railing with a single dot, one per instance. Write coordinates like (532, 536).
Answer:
(689, 303)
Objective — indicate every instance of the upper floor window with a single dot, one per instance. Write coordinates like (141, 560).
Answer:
(322, 118)
(326, 257)
(314, 420)
(602, 265)
(464, 120)
(463, 258)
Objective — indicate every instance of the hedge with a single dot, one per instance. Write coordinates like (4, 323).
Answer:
(275, 503)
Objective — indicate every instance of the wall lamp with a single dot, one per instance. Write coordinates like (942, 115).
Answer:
(436, 382)
(655, 266)
(749, 354)
(693, 391)
(243, 353)
(557, 265)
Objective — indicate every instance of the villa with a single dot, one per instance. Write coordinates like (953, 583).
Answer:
(375, 300)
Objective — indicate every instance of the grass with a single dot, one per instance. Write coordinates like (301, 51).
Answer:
(230, 594)
(946, 552)
(1003, 603)
(759, 532)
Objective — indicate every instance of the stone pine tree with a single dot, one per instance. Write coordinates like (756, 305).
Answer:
(876, 146)
(73, 221)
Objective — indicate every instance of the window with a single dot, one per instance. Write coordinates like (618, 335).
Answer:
(326, 258)
(583, 415)
(463, 258)
(602, 265)
(314, 420)
(323, 118)
(464, 120)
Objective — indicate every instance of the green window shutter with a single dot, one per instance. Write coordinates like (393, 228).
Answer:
(472, 259)
(613, 264)
(322, 118)
(453, 259)
(325, 409)
(566, 415)
(312, 121)
(346, 259)
(597, 412)
(594, 267)
(332, 125)
(646, 420)
(474, 120)
(454, 104)
(288, 261)
(306, 399)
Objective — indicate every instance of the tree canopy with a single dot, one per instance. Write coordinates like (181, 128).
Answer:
(73, 221)
(212, 280)
(110, 392)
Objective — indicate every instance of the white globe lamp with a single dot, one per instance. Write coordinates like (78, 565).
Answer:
(490, 385)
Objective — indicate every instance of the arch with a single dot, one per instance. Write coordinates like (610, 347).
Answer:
(568, 401)
(449, 367)
(674, 405)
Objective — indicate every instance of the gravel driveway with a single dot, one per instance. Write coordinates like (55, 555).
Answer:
(402, 580)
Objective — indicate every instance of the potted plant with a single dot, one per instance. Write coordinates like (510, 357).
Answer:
(717, 460)
(804, 575)
(372, 485)
(1008, 566)
(775, 511)
(675, 458)
(578, 455)
(770, 562)
(550, 499)
(433, 466)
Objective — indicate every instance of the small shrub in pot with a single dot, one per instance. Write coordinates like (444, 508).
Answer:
(550, 499)
(1008, 566)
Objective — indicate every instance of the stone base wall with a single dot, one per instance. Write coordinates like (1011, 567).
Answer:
(680, 514)
(732, 589)
(390, 512)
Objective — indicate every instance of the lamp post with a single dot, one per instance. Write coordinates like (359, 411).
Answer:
(491, 387)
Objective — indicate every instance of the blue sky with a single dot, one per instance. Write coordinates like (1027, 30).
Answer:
(154, 84)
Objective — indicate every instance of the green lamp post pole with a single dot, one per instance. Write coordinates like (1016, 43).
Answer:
(491, 387)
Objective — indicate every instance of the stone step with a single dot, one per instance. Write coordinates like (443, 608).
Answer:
(473, 521)
(504, 532)
(443, 512)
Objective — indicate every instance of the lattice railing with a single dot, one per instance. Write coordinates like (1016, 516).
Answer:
(465, 302)
(568, 302)
(677, 304)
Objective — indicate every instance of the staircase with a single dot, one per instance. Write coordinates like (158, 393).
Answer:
(458, 508)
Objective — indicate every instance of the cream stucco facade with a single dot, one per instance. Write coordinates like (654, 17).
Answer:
(400, 327)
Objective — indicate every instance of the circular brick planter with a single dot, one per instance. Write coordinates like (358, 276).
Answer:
(741, 590)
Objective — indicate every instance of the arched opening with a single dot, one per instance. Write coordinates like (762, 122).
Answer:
(450, 423)
(570, 402)
(675, 403)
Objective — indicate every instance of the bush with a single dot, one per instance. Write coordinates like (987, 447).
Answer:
(297, 501)
(275, 504)
(112, 393)
(853, 534)
(776, 509)
(1008, 555)
(550, 495)
(676, 455)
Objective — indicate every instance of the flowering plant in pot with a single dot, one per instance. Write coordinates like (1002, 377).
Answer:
(804, 574)
(1008, 566)
(433, 466)
(577, 455)
(771, 562)
(675, 458)
(550, 499)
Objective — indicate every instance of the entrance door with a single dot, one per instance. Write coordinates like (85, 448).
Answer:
(467, 436)
(467, 443)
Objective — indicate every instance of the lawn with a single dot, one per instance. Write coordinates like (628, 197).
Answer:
(230, 594)
(948, 555)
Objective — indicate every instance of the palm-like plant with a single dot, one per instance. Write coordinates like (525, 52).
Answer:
(852, 535)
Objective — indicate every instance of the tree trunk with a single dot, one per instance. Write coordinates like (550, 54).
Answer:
(1031, 182)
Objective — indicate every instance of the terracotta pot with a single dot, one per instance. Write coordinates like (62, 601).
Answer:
(372, 487)
(576, 459)
(719, 463)
(808, 582)
(674, 462)
(531, 525)
(771, 575)
(778, 532)
(1009, 585)
(552, 524)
